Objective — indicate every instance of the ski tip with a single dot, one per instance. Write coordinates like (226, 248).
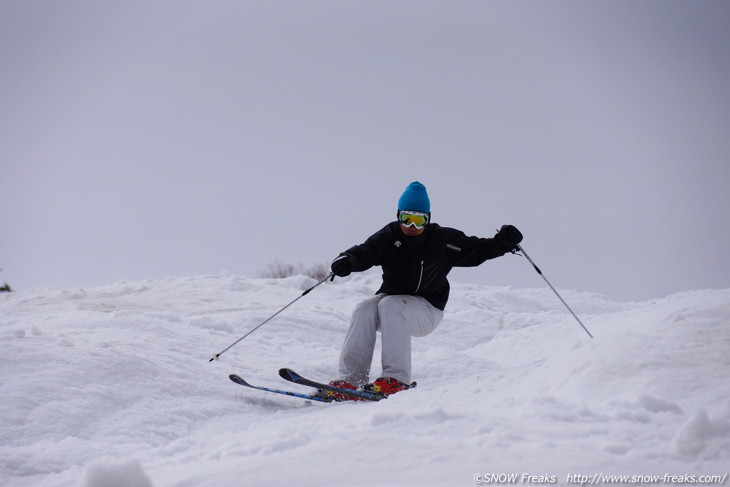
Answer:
(237, 379)
(287, 374)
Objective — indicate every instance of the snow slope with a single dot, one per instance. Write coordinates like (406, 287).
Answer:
(112, 387)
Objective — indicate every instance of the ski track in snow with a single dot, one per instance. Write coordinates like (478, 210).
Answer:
(112, 387)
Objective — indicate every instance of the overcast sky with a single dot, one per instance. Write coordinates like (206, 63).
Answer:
(150, 139)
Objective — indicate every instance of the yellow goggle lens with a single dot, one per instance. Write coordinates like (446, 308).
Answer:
(413, 218)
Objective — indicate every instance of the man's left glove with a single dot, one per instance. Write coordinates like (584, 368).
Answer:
(508, 237)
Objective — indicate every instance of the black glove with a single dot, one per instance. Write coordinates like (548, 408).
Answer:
(342, 265)
(508, 237)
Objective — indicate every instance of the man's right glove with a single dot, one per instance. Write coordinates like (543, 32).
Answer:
(508, 237)
(342, 265)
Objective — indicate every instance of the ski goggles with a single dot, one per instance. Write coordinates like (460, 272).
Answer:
(413, 219)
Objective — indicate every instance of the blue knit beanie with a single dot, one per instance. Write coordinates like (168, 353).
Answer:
(415, 198)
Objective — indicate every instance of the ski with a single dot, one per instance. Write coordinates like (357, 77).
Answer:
(291, 376)
(312, 397)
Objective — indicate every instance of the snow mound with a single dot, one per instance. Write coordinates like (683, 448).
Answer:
(115, 474)
(112, 386)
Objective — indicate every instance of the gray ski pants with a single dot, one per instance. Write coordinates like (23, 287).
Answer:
(397, 317)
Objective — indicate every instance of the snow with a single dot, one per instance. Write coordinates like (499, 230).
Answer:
(113, 387)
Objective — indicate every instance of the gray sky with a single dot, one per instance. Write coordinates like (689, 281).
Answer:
(150, 139)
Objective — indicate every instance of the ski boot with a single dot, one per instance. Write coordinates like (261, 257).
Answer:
(386, 386)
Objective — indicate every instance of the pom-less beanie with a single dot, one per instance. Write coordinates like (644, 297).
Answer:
(415, 198)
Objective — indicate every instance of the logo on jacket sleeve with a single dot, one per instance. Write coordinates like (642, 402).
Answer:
(453, 247)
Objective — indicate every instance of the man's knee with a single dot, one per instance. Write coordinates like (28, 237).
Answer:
(391, 304)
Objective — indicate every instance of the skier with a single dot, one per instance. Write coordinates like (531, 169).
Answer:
(415, 255)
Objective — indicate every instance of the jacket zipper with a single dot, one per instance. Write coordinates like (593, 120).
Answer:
(420, 278)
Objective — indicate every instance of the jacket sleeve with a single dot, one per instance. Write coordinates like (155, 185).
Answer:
(465, 251)
(370, 252)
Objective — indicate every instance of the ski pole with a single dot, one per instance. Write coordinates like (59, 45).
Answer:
(217, 355)
(551, 287)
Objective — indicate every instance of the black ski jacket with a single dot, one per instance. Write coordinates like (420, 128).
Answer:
(419, 265)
